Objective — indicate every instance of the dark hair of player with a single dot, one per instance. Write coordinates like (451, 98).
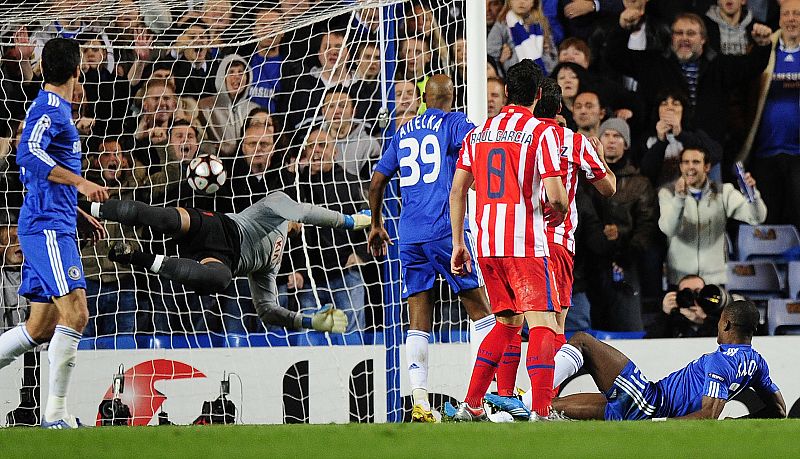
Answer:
(550, 102)
(743, 316)
(523, 80)
(60, 58)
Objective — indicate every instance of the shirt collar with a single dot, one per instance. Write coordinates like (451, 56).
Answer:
(516, 109)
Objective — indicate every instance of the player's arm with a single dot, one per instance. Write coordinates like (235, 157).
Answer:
(283, 206)
(607, 185)
(556, 193)
(462, 181)
(710, 408)
(378, 237)
(91, 190)
(548, 158)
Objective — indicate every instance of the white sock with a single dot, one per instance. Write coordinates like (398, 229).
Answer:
(568, 361)
(14, 343)
(477, 332)
(157, 264)
(94, 210)
(61, 354)
(417, 357)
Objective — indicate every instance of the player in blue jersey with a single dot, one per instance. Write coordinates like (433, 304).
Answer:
(424, 151)
(49, 159)
(697, 391)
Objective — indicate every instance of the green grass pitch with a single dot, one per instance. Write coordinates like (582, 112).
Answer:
(673, 439)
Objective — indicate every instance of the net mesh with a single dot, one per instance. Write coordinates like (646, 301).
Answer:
(292, 95)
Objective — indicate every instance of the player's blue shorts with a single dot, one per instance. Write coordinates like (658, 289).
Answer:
(52, 266)
(632, 397)
(421, 263)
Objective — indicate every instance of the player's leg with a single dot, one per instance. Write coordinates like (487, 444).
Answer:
(63, 350)
(603, 362)
(168, 220)
(582, 406)
(36, 330)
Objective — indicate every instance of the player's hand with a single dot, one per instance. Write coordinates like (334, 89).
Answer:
(93, 191)
(598, 147)
(329, 319)
(295, 281)
(378, 241)
(611, 232)
(680, 187)
(460, 261)
(552, 216)
(90, 230)
(669, 303)
(560, 120)
(761, 34)
(578, 8)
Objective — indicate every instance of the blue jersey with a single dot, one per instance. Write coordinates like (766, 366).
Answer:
(49, 138)
(721, 374)
(266, 80)
(425, 151)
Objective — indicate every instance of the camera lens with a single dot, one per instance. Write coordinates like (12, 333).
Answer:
(685, 298)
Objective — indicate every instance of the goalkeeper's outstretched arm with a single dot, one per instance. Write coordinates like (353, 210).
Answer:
(282, 205)
(264, 290)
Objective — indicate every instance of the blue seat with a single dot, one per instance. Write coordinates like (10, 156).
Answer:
(794, 279)
(766, 242)
(757, 280)
(783, 313)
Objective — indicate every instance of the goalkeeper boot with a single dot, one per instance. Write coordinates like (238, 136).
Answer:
(467, 413)
(511, 405)
(420, 414)
(69, 422)
(121, 252)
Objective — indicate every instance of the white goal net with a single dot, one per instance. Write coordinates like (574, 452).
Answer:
(293, 95)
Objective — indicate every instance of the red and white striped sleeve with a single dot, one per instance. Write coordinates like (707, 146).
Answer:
(548, 154)
(590, 162)
(466, 155)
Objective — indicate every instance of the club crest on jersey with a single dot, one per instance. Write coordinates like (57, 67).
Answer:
(76, 146)
(74, 273)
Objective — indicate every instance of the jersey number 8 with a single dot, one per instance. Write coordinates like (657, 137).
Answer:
(420, 150)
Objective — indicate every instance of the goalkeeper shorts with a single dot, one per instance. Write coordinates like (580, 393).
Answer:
(423, 261)
(52, 266)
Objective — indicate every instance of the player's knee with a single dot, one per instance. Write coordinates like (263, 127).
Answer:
(41, 332)
(217, 278)
(581, 339)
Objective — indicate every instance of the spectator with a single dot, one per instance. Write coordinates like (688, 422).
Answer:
(406, 101)
(82, 111)
(415, 58)
(576, 51)
(630, 226)
(493, 8)
(729, 24)
(495, 96)
(357, 149)
(522, 32)
(13, 308)
(582, 17)
(266, 61)
(569, 77)
(16, 73)
(706, 77)
(458, 60)
(683, 322)
(217, 15)
(332, 70)
(183, 144)
(773, 143)
(589, 113)
(224, 114)
(159, 104)
(661, 156)
(366, 83)
(192, 68)
(694, 212)
(335, 255)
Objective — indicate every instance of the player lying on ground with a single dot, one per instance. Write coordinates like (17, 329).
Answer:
(424, 151)
(512, 159)
(49, 158)
(222, 246)
(579, 156)
(697, 391)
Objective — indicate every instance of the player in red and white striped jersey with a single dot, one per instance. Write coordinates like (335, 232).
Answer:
(580, 156)
(513, 160)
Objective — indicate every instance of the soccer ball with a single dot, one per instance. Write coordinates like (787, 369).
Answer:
(206, 174)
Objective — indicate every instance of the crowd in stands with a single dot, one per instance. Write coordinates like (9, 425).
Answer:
(677, 91)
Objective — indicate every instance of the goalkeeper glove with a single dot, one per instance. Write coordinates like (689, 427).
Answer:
(359, 221)
(327, 319)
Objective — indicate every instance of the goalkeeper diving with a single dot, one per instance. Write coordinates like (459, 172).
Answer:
(219, 247)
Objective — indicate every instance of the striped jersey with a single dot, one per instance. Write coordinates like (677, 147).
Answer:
(49, 138)
(509, 155)
(721, 374)
(577, 155)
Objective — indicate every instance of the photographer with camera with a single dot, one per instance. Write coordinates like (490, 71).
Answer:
(691, 311)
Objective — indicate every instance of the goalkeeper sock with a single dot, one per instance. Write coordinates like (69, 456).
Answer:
(489, 354)
(166, 220)
(507, 370)
(540, 365)
(61, 354)
(14, 343)
(417, 358)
